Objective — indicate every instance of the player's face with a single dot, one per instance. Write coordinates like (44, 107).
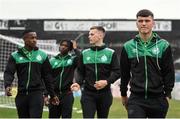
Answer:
(63, 48)
(30, 39)
(145, 24)
(95, 36)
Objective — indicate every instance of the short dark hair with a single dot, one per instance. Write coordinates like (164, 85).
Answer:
(27, 31)
(144, 13)
(100, 28)
(69, 43)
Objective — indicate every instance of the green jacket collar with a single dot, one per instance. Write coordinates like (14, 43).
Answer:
(25, 52)
(98, 47)
(155, 37)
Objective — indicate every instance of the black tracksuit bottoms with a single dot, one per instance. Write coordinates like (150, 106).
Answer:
(152, 107)
(30, 105)
(64, 109)
(96, 101)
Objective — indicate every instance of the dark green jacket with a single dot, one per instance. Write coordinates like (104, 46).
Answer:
(98, 63)
(32, 68)
(63, 68)
(149, 65)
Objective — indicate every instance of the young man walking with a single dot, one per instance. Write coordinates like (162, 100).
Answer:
(32, 67)
(146, 63)
(63, 66)
(98, 68)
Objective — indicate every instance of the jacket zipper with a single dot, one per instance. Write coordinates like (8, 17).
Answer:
(60, 80)
(61, 74)
(29, 76)
(146, 84)
(96, 65)
(146, 77)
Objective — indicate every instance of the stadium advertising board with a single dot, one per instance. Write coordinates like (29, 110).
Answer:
(3, 24)
(17, 24)
(108, 25)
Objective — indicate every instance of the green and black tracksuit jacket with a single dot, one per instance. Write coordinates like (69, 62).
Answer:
(149, 65)
(63, 68)
(33, 71)
(98, 63)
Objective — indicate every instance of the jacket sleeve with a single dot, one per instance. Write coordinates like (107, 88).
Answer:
(80, 71)
(115, 69)
(47, 77)
(9, 72)
(167, 70)
(125, 72)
